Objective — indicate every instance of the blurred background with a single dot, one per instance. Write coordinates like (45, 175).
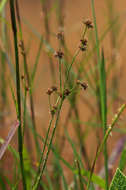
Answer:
(80, 115)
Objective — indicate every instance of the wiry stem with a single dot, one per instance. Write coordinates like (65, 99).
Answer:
(20, 140)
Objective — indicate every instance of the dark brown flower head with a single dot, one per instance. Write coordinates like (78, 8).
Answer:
(83, 48)
(66, 92)
(49, 91)
(60, 35)
(54, 88)
(52, 112)
(55, 107)
(84, 42)
(88, 23)
(59, 54)
(82, 84)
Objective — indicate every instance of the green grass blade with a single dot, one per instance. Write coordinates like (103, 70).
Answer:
(80, 176)
(122, 162)
(102, 86)
(20, 140)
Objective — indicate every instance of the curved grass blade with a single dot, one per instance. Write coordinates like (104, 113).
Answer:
(8, 139)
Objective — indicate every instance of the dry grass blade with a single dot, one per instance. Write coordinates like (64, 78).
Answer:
(8, 138)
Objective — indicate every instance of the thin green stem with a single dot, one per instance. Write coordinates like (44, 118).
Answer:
(50, 106)
(72, 62)
(24, 111)
(74, 57)
(84, 32)
(42, 153)
(20, 140)
(109, 130)
(60, 75)
(102, 89)
(37, 181)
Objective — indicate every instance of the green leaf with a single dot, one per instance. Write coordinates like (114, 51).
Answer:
(27, 167)
(118, 181)
(122, 163)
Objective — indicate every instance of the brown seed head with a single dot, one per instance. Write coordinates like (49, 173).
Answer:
(84, 42)
(60, 35)
(54, 88)
(55, 107)
(59, 54)
(88, 23)
(83, 84)
(83, 48)
(66, 92)
(49, 91)
(52, 112)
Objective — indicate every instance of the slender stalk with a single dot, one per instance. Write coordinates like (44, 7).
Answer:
(72, 62)
(20, 140)
(24, 112)
(37, 181)
(74, 57)
(42, 153)
(109, 130)
(80, 176)
(102, 95)
(60, 75)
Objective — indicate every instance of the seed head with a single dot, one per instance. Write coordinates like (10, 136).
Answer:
(83, 48)
(55, 107)
(88, 23)
(53, 110)
(84, 41)
(49, 91)
(82, 84)
(59, 54)
(54, 88)
(66, 92)
(60, 35)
